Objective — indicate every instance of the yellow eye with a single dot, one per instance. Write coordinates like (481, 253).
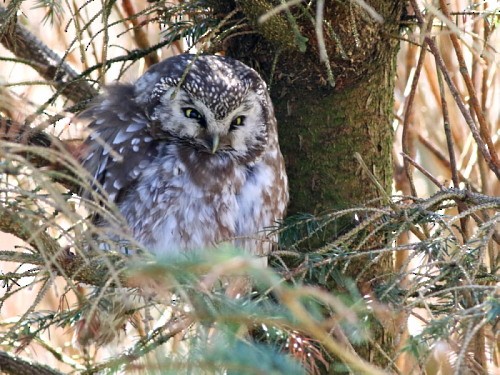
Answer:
(238, 121)
(192, 113)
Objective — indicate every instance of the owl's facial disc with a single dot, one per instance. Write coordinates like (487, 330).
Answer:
(188, 118)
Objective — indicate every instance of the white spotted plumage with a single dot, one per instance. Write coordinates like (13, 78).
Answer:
(188, 175)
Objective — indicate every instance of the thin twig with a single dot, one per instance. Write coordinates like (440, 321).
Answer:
(425, 172)
(447, 132)
(409, 113)
(442, 158)
(451, 152)
(483, 124)
(456, 94)
(465, 113)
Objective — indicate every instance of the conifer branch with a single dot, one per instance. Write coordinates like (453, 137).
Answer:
(14, 365)
(46, 62)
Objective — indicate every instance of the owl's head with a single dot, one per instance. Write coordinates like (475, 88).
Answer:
(214, 104)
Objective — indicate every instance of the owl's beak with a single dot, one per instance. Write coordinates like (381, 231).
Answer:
(215, 143)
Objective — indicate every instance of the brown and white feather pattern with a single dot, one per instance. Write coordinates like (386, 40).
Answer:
(189, 180)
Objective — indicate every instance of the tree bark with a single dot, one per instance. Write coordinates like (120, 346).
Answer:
(14, 365)
(328, 111)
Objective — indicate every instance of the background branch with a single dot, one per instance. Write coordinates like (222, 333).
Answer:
(46, 62)
(14, 365)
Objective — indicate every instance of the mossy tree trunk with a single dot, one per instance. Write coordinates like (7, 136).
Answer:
(329, 111)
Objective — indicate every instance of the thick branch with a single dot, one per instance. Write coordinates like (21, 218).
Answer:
(46, 62)
(93, 271)
(28, 232)
(89, 271)
(14, 365)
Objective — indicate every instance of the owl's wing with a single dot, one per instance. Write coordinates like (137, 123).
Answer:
(120, 145)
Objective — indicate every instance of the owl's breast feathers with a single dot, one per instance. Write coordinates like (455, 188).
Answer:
(184, 200)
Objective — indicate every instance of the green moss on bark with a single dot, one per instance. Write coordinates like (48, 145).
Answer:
(275, 30)
(320, 133)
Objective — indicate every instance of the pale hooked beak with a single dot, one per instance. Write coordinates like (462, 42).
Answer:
(215, 143)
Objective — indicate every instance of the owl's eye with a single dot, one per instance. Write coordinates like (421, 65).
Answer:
(238, 121)
(192, 113)
(195, 115)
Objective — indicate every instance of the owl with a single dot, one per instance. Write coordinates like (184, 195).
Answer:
(189, 154)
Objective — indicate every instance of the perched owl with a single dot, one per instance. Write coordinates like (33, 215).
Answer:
(190, 155)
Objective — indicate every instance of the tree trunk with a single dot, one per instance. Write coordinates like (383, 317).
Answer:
(322, 127)
(320, 132)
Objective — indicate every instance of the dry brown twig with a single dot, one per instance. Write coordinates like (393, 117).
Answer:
(422, 170)
(483, 124)
(408, 111)
(441, 157)
(456, 95)
(140, 35)
(451, 152)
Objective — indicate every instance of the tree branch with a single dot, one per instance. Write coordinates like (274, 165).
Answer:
(12, 223)
(484, 128)
(456, 95)
(91, 269)
(14, 365)
(46, 62)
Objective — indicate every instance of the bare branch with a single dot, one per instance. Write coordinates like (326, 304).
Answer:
(425, 172)
(408, 111)
(14, 365)
(46, 62)
(456, 95)
(483, 124)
